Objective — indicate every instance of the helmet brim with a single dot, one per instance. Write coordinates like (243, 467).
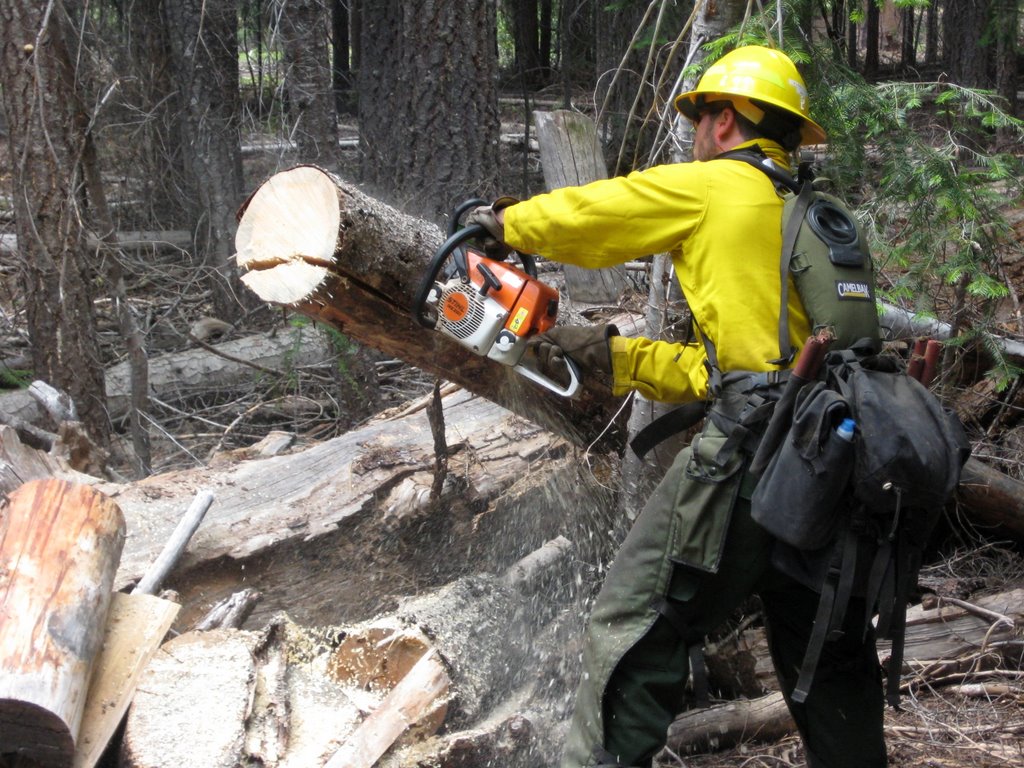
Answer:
(687, 105)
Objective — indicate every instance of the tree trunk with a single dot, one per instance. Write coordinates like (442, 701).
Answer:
(965, 25)
(59, 549)
(1006, 14)
(871, 41)
(47, 132)
(570, 155)
(203, 36)
(303, 29)
(428, 107)
(341, 67)
(530, 66)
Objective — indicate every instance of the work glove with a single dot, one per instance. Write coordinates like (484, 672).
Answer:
(487, 217)
(587, 346)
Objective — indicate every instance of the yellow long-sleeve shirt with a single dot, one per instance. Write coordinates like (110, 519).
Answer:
(721, 223)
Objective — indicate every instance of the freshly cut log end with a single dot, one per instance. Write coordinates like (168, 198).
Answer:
(293, 218)
(287, 283)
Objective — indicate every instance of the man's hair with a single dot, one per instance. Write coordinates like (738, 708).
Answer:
(779, 126)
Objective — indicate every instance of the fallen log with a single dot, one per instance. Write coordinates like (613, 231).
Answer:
(59, 548)
(725, 725)
(178, 375)
(309, 241)
(280, 524)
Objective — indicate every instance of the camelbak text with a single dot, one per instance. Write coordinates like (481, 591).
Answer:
(847, 289)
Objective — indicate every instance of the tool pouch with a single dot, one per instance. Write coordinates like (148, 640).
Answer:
(704, 500)
(797, 498)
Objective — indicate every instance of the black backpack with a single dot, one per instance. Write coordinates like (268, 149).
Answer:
(852, 516)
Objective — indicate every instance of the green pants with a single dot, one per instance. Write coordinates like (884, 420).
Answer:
(695, 547)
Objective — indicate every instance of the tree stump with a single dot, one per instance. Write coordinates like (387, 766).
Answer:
(60, 544)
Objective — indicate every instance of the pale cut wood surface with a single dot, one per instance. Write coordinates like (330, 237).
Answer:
(60, 544)
(135, 629)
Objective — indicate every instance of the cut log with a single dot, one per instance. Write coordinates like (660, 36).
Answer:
(310, 242)
(60, 544)
(570, 155)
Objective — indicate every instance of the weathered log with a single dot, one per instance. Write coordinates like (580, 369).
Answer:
(309, 241)
(724, 725)
(570, 155)
(59, 548)
(937, 631)
(178, 375)
(19, 463)
(281, 523)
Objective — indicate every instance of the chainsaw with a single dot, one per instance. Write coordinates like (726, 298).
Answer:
(489, 307)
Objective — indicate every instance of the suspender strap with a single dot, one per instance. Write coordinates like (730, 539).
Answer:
(817, 642)
(796, 218)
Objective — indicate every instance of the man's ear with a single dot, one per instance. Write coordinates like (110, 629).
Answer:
(724, 126)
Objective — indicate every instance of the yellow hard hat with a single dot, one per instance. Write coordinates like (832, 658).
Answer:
(747, 76)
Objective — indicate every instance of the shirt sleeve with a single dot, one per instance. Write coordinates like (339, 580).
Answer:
(611, 221)
(670, 372)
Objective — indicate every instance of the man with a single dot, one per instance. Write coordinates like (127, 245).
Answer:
(694, 554)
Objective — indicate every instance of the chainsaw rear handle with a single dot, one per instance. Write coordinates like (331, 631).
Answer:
(453, 247)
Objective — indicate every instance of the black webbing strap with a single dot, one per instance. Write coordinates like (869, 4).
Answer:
(796, 218)
(668, 424)
(815, 645)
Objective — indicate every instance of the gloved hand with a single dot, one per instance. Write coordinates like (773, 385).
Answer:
(586, 345)
(487, 217)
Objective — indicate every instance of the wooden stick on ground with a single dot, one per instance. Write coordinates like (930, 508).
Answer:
(175, 546)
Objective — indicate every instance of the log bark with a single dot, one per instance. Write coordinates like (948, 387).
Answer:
(59, 548)
(309, 241)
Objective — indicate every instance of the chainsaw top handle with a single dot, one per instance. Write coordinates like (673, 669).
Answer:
(454, 247)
